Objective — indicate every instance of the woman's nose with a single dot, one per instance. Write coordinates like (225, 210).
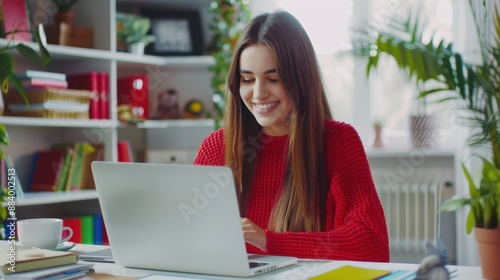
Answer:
(259, 91)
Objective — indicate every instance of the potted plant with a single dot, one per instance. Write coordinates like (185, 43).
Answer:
(134, 32)
(484, 215)
(8, 76)
(475, 89)
(64, 12)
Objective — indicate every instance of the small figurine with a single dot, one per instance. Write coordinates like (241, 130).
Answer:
(168, 106)
(433, 266)
(194, 109)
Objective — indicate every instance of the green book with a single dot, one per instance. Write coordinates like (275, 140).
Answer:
(63, 178)
(77, 168)
(87, 229)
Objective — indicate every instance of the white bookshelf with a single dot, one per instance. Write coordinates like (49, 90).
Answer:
(189, 75)
(43, 198)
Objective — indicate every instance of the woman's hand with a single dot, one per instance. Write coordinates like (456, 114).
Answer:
(254, 234)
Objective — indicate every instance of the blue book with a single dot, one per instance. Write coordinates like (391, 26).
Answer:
(32, 170)
(98, 230)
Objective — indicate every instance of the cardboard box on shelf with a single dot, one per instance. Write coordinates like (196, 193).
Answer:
(66, 35)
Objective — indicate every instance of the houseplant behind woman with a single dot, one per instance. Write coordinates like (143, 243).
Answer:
(475, 88)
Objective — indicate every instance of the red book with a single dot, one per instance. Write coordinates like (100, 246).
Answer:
(47, 170)
(87, 81)
(105, 239)
(133, 90)
(104, 96)
(31, 83)
(15, 18)
(76, 225)
(124, 151)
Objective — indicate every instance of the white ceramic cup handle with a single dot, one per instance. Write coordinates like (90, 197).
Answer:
(70, 233)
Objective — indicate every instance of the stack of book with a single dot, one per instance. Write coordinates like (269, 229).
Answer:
(65, 167)
(98, 83)
(23, 262)
(48, 97)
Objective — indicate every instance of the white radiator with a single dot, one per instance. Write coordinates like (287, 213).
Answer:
(410, 201)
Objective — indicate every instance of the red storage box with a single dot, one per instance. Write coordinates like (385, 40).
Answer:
(133, 90)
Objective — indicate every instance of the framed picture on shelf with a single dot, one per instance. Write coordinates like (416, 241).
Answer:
(177, 32)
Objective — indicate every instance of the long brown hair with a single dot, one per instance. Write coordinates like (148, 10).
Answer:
(301, 205)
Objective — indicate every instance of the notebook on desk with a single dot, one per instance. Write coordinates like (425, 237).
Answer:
(182, 218)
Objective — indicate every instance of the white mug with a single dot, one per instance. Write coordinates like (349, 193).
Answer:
(43, 233)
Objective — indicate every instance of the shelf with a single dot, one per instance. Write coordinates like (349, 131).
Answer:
(204, 123)
(373, 153)
(24, 121)
(177, 61)
(74, 53)
(42, 198)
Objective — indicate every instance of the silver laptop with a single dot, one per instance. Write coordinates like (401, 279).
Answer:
(182, 218)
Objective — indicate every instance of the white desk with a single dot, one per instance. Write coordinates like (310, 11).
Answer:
(302, 270)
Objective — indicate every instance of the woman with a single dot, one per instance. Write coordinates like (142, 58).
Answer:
(303, 180)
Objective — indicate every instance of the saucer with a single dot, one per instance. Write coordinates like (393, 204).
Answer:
(65, 246)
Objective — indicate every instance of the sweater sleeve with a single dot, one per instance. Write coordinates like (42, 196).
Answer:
(211, 150)
(356, 229)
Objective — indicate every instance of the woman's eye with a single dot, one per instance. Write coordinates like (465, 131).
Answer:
(273, 80)
(246, 80)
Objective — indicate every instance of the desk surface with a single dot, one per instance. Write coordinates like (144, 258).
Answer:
(302, 270)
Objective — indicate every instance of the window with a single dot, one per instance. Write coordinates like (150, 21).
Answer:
(390, 97)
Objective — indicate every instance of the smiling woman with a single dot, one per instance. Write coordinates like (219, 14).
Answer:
(262, 92)
(303, 181)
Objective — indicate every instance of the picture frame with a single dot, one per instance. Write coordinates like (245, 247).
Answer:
(177, 32)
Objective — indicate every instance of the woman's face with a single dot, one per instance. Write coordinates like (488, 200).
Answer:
(262, 91)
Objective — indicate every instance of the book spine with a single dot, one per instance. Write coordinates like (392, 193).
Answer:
(63, 179)
(98, 230)
(104, 96)
(124, 151)
(87, 229)
(88, 81)
(76, 225)
(74, 181)
(31, 83)
(41, 74)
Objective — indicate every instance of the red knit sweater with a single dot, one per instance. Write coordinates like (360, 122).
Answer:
(355, 223)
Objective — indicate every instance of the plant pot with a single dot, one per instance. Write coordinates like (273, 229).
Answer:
(423, 131)
(65, 17)
(488, 241)
(378, 142)
(137, 48)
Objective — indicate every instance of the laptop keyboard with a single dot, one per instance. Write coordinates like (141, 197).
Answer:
(256, 264)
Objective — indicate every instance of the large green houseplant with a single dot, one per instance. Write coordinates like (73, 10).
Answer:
(9, 80)
(439, 69)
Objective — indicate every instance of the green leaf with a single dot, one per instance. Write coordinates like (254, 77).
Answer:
(454, 204)
(471, 222)
(18, 85)
(4, 136)
(487, 212)
(474, 192)
(28, 52)
(460, 75)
